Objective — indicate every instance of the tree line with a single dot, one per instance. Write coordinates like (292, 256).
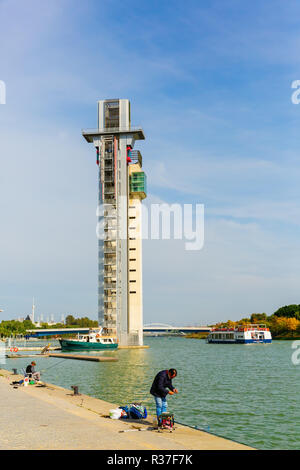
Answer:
(15, 327)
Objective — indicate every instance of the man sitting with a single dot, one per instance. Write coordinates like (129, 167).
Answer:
(31, 372)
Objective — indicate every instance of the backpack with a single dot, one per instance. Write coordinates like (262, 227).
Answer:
(134, 411)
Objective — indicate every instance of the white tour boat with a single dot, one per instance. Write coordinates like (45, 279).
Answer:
(242, 334)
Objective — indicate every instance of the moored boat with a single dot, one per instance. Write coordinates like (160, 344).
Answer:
(242, 334)
(94, 340)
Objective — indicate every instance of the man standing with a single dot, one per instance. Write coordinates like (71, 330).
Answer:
(162, 381)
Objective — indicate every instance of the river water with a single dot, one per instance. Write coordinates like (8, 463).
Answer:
(248, 393)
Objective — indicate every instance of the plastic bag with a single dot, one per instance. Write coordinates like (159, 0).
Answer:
(115, 414)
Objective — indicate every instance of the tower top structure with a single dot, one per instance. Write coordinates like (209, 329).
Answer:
(114, 117)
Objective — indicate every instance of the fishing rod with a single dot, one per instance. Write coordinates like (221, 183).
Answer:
(205, 427)
(47, 368)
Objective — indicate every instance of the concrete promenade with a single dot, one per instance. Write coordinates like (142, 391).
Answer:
(52, 417)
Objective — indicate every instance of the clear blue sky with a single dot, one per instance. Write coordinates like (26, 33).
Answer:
(210, 82)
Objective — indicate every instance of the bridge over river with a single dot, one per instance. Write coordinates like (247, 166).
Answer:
(163, 328)
(159, 328)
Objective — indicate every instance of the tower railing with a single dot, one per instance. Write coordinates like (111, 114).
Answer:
(111, 130)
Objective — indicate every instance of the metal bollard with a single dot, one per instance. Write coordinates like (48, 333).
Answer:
(75, 389)
(15, 371)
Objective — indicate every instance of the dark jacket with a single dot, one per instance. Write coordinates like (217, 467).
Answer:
(30, 369)
(160, 383)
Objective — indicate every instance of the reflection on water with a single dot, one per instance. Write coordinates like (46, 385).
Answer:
(244, 392)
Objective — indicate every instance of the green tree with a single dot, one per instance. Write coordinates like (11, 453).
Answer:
(70, 320)
(284, 326)
(258, 318)
(288, 311)
(28, 325)
(244, 321)
(81, 322)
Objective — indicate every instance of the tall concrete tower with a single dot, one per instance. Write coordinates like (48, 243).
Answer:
(122, 186)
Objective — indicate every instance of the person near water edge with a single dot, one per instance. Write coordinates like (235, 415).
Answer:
(162, 382)
(31, 372)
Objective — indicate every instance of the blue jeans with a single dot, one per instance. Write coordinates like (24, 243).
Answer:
(161, 405)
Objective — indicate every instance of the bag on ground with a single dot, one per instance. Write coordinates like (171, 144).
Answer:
(134, 411)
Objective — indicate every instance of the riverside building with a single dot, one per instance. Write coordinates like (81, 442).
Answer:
(122, 187)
